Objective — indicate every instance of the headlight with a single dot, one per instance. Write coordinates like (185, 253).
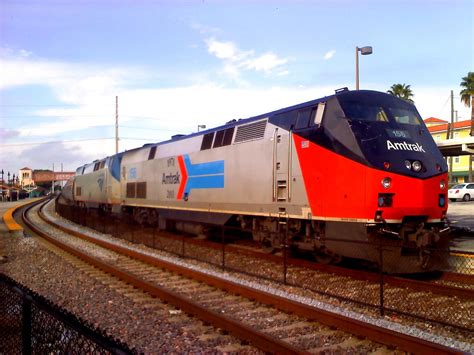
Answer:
(386, 182)
(416, 165)
(442, 184)
(408, 164)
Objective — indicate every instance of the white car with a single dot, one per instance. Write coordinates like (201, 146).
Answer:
(464, 192)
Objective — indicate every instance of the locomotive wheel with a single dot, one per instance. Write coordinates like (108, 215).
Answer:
(267, 247)
(327, 259)
(322, 258)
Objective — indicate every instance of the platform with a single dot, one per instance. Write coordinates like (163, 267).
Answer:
(461, 215)
(8, 226)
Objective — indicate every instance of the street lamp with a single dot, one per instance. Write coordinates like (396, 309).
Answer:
(203, 126)
(364, 51)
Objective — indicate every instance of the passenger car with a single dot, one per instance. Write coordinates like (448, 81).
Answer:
(461, 191)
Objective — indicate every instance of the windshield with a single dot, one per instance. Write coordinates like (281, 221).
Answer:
(381, 113)
(382, 128)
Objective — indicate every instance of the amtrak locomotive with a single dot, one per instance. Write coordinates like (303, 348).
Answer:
(357, 166)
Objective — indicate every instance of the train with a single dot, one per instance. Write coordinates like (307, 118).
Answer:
(341, 175)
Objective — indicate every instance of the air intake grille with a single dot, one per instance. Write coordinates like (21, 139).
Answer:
(141, 189)
(131, 190)
(250, 131)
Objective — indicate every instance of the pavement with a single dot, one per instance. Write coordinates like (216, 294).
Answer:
(5, 221)
(461, 214)
(461, 218)
(7, 225)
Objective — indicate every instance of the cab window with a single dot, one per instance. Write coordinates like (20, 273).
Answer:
(405, 116)
(364, 112)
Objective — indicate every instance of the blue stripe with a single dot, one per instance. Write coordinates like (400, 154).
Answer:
(204, 182)
(115, 168)
(211, 168)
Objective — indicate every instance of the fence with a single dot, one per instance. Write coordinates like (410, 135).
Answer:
(30, 324)
(368, 288)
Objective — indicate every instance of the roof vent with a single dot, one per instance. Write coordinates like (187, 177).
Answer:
(344, 89)
(176, 136)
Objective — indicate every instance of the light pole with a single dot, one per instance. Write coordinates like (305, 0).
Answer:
(2, 198)
(9, 192)
(203, 126)
(364, 51)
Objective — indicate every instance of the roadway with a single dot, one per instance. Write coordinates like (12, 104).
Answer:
(461, 217)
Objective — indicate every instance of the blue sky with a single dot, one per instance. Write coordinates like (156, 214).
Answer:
(177, 64)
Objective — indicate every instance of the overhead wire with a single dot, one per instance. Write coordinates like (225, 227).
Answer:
(75, 141)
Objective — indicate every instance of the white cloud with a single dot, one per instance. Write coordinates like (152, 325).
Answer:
(266, 62)
(236, 60)
(6, 134)
(204, 29)
(91, 91)
(329, 55)
(43, 156)
(222, 50)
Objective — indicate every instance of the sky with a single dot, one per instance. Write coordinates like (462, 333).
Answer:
(178, 64)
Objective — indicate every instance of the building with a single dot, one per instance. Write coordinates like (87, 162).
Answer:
(439, 130)
(26, 176)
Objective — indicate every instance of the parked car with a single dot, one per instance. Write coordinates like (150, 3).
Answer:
(463, 192)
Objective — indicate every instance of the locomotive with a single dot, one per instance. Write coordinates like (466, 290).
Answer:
(341, 175)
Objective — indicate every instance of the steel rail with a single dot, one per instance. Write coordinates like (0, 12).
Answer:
(239, 330)
(395, 281)
(440, 289)
(456, 277)
(359, 328)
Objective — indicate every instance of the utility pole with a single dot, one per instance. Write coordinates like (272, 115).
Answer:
(52, 184)
(470, 159)
(451, 178)
(116, 126)
(452, 114)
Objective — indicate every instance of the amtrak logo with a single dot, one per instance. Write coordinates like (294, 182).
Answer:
(405, 146)
(100, 182)
(198, 176)
(170, 179)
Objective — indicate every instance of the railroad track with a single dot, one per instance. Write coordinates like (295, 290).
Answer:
(461, 285)
(141, 272)
(449, 305)
(450, 284)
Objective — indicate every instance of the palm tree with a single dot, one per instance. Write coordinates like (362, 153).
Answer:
(467, 97)
(402, 91)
